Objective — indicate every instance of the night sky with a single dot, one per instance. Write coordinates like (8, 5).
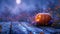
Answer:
(29, 8)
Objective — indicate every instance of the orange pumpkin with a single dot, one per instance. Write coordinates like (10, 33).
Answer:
(42, 18)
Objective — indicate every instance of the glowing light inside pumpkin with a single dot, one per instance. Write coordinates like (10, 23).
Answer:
(38, 17)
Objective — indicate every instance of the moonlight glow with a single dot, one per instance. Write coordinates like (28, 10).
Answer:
(18, 1)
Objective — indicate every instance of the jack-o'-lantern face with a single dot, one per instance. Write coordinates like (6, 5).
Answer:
(42, 18)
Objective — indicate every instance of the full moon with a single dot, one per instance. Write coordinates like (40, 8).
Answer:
(18, 1)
